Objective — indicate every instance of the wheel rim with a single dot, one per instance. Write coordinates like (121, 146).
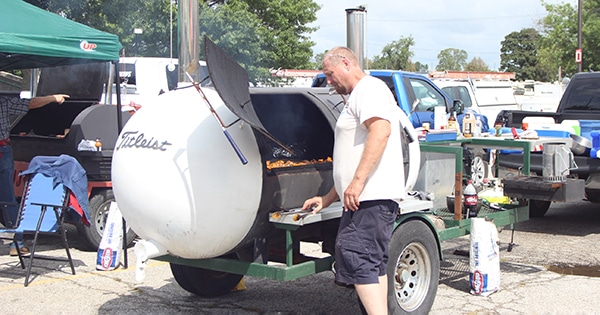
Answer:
(477, 170)
(101, 216)
(411, 280)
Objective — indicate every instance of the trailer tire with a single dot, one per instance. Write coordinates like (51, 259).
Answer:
(538, 208)
(204, 282)
(99, 205)
(413, 269)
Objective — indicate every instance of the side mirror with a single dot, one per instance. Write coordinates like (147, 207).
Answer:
(459, 107)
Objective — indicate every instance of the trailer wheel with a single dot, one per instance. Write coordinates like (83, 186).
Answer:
(204, 282)
(99, 205)
(413, 269)
(538, 208)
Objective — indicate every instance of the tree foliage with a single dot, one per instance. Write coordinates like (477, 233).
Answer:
(519, 54)
(452, 59)
(260, 34)
(477, 64)
(560, 36)
(122, 17)
(421, 67)
(396, 55)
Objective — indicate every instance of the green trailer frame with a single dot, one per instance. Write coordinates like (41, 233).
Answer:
(455, 225)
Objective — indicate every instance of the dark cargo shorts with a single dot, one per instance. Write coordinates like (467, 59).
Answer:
(361, 251)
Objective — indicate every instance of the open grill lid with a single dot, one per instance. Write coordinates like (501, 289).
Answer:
(231, 82)
(82, 82)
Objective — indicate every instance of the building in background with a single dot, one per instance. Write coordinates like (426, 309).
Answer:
(294, 78)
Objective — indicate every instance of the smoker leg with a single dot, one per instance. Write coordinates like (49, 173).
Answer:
(261, 251)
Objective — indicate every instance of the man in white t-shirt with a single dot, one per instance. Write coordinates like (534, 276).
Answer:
(368, 176)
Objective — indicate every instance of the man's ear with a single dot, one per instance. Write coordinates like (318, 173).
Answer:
(346, 63)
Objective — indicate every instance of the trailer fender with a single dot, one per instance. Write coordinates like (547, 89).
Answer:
(425, 219)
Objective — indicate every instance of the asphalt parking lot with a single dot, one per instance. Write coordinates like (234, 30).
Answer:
(554, 268)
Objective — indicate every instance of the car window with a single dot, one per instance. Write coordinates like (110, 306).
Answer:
(459, 93)
(427, 96)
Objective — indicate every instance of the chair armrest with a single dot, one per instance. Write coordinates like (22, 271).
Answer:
(48, 205)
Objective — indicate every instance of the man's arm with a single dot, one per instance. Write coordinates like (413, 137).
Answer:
(40, 101)
(379, 132)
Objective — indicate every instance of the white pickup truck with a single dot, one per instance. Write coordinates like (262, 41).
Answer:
(486, 97)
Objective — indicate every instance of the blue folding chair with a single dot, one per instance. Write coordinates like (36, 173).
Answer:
(40, 194)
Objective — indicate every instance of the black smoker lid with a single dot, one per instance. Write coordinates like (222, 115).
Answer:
(80, 81)
(232, 83)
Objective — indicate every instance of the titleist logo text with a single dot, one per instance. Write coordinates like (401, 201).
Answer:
(136, 139)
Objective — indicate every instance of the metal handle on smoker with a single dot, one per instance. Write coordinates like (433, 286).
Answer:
(216, 116)
(235, 147)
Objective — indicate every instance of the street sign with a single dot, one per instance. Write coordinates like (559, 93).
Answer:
(578, 55)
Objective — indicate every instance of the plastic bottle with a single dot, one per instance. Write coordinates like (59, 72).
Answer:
(452, 121)
(478, 126)
(471, 199)
(468, 124)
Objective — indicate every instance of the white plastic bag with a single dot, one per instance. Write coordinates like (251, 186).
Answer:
(111, 245)
(484, 256)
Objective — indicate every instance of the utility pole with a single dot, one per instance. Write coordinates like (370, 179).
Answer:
(579, 49)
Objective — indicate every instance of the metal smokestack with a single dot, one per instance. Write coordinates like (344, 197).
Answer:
(355, 32)
(188, 37)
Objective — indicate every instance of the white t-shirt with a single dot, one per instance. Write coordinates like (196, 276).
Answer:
(370, 98)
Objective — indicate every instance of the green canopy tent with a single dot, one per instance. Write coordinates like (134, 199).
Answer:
(34, 38)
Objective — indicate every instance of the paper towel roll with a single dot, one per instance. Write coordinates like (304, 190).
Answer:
(439, 113)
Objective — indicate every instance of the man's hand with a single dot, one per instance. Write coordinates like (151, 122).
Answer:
(60, 98)
(319, 202)
(352, 194)
(314, 203)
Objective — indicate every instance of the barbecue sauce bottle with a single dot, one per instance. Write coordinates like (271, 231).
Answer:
(452, 121)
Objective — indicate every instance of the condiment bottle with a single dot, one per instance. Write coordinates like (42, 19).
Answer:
(468, 124)
(452, 121)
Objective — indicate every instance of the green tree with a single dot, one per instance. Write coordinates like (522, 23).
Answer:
(559, 37)
(421, 67)
(318, 60)
(237, 31)
(477, 64)
(396, 55)
(518, 54)
(122, 17)
(260, 34)
(451, 59)
(285, 31)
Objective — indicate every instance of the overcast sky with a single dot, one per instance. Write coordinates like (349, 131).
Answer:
(476, 26)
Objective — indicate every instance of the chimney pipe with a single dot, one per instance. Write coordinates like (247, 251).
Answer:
(355, 32)
(188, 37)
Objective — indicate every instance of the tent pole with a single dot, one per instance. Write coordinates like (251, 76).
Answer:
(119, 129)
